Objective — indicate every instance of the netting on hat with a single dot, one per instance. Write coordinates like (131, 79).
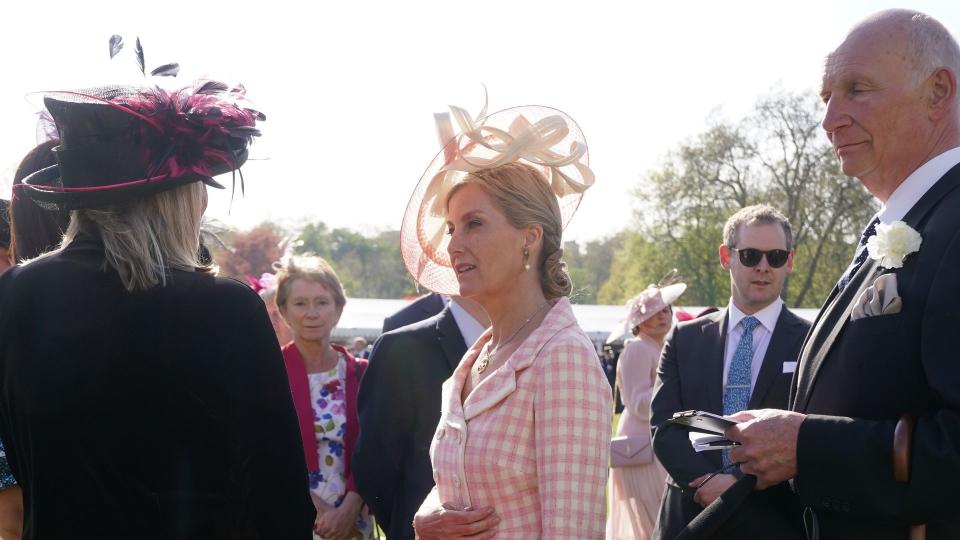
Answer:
(200, 130)
(544, 138)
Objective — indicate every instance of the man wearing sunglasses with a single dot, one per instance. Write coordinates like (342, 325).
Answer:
(873, 440)
(741, 357)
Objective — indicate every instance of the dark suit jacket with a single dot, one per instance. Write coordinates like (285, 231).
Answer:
(399, 405)
(157, 414)
(856, 378)
(422, 308)
(690, 376)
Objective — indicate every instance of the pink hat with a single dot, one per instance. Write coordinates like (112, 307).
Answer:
(544, 138)
(645, 305)
(650, 302)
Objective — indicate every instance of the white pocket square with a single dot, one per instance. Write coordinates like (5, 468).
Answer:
(789, 367)
(881, 298)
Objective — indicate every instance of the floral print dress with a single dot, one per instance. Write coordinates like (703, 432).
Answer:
(6, 475)
(330, 424)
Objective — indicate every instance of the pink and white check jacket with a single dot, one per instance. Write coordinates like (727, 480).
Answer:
(532, 439)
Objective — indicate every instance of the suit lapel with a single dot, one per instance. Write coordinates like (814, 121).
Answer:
(812, 337)
(822, 338)
(450, 338)
(714, 349)
(832, 325)
(784, 333)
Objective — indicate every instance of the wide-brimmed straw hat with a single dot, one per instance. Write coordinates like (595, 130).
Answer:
(542, 137)
(120, 143)
(648, 303)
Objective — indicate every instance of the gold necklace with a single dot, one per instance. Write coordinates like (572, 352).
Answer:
(489, 355)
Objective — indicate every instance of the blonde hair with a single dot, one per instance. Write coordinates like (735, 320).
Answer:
(524, 196)
(310, 268)
(142, 240)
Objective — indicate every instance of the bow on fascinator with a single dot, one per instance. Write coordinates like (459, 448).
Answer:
(524, 141)
(542, 137)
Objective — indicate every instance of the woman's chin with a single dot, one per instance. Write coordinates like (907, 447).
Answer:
(466, 287)
(311, 337)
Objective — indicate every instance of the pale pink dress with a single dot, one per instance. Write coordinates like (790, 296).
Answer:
(532, 439)
(634, 493)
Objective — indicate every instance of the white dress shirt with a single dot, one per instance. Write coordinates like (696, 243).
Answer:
(916, 186)
(470, 328)
(761, 336)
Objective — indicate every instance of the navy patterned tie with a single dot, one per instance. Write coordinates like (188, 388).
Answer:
(736, 393)
(861, 254)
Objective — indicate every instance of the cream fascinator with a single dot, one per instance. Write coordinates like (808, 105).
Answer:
(542, 137)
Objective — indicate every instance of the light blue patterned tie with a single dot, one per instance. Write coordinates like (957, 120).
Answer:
(736, 393)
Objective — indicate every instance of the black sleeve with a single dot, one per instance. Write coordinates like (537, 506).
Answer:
(670, 441)
(269, 460)
(385, 428)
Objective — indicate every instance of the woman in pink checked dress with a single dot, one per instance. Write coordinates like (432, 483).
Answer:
(521, 448)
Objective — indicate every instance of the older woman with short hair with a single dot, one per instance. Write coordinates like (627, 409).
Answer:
(324, 379)
(522, 444)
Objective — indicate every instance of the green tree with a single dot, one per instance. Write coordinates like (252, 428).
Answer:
(248, 253)
(589, 267)
(368, 267)
(778, 156)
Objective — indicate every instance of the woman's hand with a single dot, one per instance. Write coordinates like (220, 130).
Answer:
(449, 523)
(321, 505)
(339, 523)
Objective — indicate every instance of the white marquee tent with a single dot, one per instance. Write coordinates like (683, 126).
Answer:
(364, 317)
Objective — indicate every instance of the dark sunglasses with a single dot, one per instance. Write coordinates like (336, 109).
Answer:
(751, 257)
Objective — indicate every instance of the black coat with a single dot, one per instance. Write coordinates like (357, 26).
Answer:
(422, 308)
(690, 376)
(399, 406)
(856, 379)
(158, 414)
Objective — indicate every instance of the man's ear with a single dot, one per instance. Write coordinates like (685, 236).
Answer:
(941, 93)
(790, 260)
(724, 256)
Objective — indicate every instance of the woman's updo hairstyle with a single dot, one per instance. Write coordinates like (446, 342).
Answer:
(522, 193)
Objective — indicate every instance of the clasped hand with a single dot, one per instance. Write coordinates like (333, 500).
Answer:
(768, 444)
(447, 522)
(336, 523)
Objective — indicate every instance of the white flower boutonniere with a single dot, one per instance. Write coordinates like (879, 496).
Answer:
(893, 243)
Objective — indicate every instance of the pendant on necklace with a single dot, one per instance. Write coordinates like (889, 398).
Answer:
(482, 364)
